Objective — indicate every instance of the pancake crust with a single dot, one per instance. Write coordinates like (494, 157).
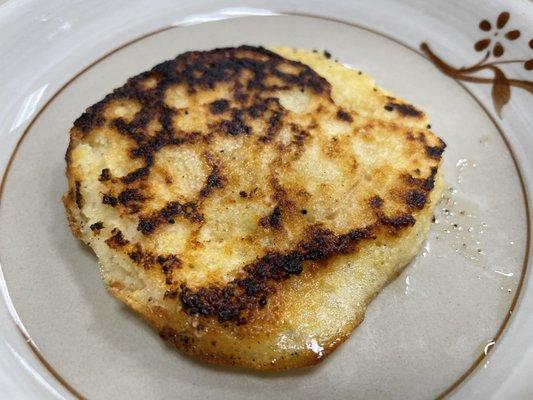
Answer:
(249, 203)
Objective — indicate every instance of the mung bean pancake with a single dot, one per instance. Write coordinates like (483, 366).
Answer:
(250, 203)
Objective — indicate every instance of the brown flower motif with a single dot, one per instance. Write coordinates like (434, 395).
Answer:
(501, 84)
(498, 49)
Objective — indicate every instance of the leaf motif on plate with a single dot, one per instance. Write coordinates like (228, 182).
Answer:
(501, 90)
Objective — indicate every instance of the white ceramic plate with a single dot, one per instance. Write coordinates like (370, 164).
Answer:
(458, 322)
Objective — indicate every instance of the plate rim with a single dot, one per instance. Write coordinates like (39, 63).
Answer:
(515, 303)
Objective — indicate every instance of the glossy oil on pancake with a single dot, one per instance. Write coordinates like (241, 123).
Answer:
(249, 203)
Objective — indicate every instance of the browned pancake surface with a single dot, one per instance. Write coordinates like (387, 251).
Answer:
(231, 195)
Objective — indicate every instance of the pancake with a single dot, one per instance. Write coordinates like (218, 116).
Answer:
(250, 203)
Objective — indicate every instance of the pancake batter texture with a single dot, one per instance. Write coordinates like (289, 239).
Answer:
(250, 203)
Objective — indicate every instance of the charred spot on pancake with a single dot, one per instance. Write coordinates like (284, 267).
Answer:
(344, 116)
(426, 184)
(407, 110)
(141, 257)
(136, 255)
(132, 199)
(105, 175)
(219, 106)
(257, 109)
(280, 195)
(78, 195)
(133, 176)
(300, 136)
(128, 196)
(109, 200)
(97, 227)
(91, 118)
(236, 125)
(399, 222)
(166, 120)
(174, 209)
(147, 260)
(214, 181)
(435, 151)
(429, 182)
(147, 225)
(168, 264)
(376, 202)
(116, 240)
(272, 220)
(243, 194)
(144, 151)
(416, 198)
(274, 125)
